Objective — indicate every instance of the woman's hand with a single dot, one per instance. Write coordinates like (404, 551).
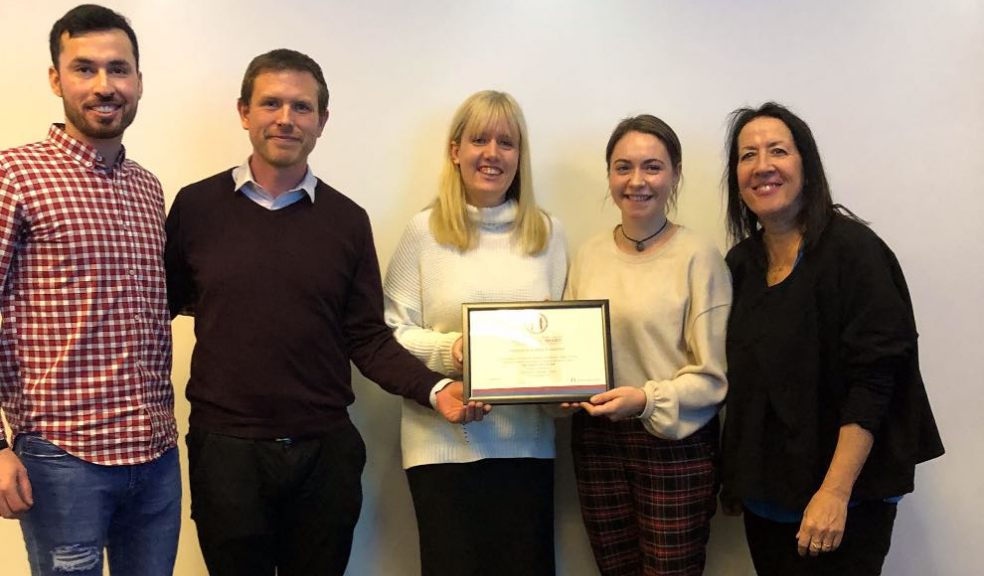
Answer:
(617, 404)
(569, 408)
(823, 522)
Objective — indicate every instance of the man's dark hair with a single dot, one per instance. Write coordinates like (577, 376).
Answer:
(89, 18)
(279, 60)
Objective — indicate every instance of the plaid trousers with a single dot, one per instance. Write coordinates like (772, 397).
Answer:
(646, 502)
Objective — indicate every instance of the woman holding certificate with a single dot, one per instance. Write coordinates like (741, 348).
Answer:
(482, 492)
(644, 452)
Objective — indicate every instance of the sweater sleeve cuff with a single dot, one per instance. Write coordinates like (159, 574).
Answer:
(650, 391)
(661, 416)
(446, 346)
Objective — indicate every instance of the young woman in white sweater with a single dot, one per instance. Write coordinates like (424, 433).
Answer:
(482, 492)
(644, 452)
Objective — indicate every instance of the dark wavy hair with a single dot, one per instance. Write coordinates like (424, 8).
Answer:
(816, 207)
(89, 18)
(279, 60)
(649, 124)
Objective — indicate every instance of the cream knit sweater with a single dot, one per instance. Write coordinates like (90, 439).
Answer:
(425, 285)
(669, 315)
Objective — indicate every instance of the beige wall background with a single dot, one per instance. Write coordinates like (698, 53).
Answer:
(892, 89)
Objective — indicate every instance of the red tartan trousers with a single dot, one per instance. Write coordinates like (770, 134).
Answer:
(646, 502)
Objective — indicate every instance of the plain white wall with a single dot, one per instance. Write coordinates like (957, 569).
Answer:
(892, 89)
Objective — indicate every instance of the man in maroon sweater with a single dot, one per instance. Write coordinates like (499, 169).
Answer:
(280, 272)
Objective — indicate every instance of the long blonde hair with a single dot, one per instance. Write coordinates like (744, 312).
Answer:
(449, 220)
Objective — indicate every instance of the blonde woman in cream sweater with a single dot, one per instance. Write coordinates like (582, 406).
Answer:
(482, 492)
(644, 452)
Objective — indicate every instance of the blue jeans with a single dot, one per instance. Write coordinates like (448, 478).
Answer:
(81, 508)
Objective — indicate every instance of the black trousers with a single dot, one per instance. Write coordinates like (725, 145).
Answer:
(265, 507)
(867, 537)
(491, 517)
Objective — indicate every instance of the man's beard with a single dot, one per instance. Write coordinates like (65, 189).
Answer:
(97, 130)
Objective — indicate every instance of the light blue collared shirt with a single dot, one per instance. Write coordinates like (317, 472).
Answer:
(242, 175)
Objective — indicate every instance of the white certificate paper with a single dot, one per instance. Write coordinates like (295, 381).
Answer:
(537, 352)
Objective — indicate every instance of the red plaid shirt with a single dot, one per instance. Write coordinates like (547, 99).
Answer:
(85, 341)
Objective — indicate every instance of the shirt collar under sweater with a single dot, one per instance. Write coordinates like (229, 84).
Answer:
(242, 175)
(494, 218)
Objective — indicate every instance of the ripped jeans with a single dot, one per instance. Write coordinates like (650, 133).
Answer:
(81, 509)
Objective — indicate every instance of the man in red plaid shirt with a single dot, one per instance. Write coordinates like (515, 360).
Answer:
(85, 341)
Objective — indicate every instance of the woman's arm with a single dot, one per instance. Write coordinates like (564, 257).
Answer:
(823, 522)
(403, 291)
(680, 405)
(876, 333)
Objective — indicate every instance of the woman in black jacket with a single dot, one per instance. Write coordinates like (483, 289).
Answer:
(827, 414)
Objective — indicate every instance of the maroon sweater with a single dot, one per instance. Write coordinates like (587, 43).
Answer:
(282, 301)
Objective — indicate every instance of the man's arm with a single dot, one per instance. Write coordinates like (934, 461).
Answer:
(375, 351)
(180, 283)
(15, 488)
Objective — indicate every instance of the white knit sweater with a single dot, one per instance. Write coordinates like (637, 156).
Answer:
(669, 315)
(425, 285)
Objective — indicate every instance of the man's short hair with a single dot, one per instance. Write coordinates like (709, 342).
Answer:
(279, 60)
(89, 18)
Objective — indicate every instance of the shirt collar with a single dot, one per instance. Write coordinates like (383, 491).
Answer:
(242, 175)
(83, 153)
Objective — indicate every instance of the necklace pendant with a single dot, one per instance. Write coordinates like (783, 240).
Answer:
(640, 245)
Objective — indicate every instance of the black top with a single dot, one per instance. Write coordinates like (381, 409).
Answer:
(833, 344)
(282, 301)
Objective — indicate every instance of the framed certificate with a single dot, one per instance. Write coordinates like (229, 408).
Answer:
(536, 352)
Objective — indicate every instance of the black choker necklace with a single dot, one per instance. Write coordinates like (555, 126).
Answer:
(640, 245)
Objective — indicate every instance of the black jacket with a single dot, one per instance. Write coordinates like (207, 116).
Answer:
(833, 344)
